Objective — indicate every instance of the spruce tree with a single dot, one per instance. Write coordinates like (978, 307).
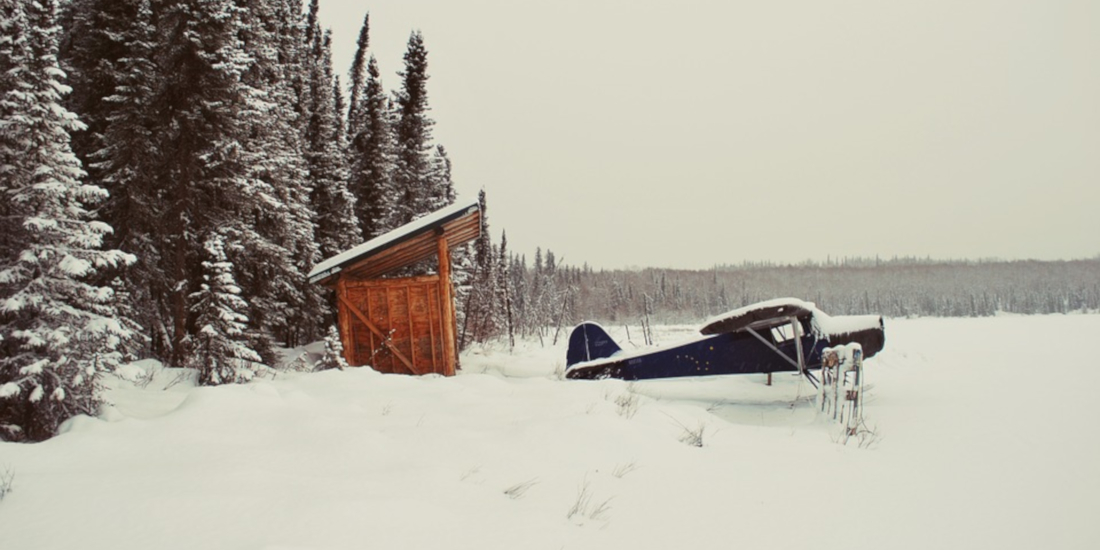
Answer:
(278, 243)
(371, 155)
(479, 322)
(413, 137)
(341, 106)
(333, 203)
(96, 42)
(293, 54)
(441, 189)
(312, 25)
(201, 111)
(58, 332)
(333, 356)
(504, 290)
(357, 79)
(126, 164)
(220, 349)
(517, 269)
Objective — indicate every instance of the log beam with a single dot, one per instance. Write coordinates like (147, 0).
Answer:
(345, 323)
(447, 303)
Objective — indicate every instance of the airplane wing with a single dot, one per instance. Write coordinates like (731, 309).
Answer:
(759, 315)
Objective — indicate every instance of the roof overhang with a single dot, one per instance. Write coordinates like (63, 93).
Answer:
(413, 242)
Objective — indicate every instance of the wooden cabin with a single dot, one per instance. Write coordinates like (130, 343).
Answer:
(401, 324)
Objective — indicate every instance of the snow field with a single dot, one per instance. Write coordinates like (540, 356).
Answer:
(986, 437)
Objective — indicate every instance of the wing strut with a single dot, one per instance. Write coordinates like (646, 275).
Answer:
(796, 328)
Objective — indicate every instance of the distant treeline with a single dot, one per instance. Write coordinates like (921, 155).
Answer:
(895, 288)
(549, 295)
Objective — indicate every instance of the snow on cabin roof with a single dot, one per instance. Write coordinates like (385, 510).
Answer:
(394, 238)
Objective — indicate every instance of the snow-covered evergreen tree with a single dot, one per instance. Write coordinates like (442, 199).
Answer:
(96, 42)
(462, 275)
(504, 291)
(58, 332)
(371, 154)
(341, 106)
(126, 161)
(412, 176)
(220, 349)
(441, 190)
(333, 356)
(357, 80)
(479, 320)
(276, 222)
(517, 269)
(334, 204)
(201, 110)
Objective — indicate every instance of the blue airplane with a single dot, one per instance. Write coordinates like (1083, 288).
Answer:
(783, 335)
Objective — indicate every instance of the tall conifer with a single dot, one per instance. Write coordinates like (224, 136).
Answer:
(201, 110)
(479, 320)
(58, 333)
(278, 244)
(441, 189)
(95, 45)
(220, 349)
(126, 163)
(371, 154)
(413, 137)
(357, 79)
(333, 203)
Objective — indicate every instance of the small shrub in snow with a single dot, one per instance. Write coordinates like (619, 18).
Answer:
(7, 479)
(185, 376)
(621, 470)
(300, 364)
(864, 436)
(470, 473)
(601, 511)
(333, 357)
(627, 404)
(144, 377)
(580, 505)
(518, 490)
(583, 506)
(714, 407)
(868, 437)
(693, 436)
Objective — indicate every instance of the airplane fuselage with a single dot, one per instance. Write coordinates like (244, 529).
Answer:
(728, 353)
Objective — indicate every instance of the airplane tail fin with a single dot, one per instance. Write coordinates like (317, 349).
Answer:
(589, 341)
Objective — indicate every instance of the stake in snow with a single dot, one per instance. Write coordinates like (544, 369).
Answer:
(774, 336)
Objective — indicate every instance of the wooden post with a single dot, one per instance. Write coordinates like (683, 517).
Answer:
(448, 307)
(345, 323)
(412, 327)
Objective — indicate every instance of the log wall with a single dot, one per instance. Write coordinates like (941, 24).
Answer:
(395, 325)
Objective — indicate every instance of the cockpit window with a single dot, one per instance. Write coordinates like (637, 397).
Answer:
(782, 333)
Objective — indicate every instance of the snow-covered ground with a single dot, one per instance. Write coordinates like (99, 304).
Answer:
(986, 438)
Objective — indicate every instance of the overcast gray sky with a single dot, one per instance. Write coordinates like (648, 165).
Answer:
(691, 133)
